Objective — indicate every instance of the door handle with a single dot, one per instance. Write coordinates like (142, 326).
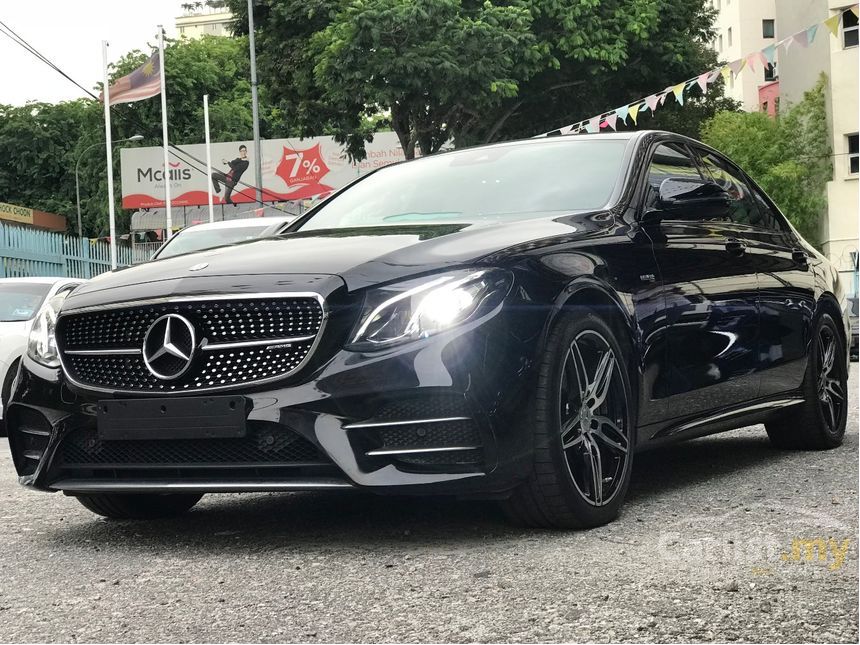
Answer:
(735, 247)
(799, 256)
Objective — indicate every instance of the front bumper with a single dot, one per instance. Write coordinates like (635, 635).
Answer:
(445, 415)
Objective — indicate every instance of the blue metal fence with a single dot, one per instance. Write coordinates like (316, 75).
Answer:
(27, 252)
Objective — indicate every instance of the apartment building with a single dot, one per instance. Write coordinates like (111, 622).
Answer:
(745, 26)
(203, 19)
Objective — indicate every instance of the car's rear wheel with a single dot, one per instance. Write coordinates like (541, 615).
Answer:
(819, 422)
(139, 506)
(583, 427)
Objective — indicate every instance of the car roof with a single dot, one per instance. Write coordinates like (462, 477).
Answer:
(244, 222)
(39, 280)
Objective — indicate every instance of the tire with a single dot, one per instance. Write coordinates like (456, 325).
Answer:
(819, 422)
(6, 392)
(558, 492)
(139, 506)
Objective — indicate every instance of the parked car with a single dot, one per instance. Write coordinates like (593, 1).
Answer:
(20, 299)
(855, 327)
(511, 322)
(206, 236)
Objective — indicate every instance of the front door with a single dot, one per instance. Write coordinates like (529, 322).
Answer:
(711, 299)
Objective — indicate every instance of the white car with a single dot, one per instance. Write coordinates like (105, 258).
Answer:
(20, 300)
(206, 236)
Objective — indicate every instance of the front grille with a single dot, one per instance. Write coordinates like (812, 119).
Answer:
(102, 349)
(264, 446)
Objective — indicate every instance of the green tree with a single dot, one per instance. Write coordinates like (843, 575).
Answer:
(789, 157)
(473, 70)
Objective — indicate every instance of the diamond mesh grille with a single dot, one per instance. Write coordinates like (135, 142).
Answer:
(228, 321)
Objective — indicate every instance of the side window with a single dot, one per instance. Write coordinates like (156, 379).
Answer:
(669, 161)
(770, 219)
(743, 209)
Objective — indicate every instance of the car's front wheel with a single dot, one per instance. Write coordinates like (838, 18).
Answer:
(142, 506)
(583, 426)
(819, 422)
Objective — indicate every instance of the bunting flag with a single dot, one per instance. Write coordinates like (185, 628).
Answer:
(832, 24)
(737, 65)
(802, 39)
(766, 56)
(651, 102)
(634, 112)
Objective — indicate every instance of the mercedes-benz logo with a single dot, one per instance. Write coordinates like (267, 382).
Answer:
(168, 347)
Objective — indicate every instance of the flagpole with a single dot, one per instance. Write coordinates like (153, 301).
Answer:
(208, 157)
(109, 152)
(167, 213)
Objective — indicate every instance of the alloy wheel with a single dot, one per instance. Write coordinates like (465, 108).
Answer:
(831, 391)
(592, 417)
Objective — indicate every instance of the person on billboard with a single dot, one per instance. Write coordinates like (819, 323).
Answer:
(229, 179)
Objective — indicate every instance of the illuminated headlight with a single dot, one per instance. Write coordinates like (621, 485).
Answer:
(420, 308)
(42, 343)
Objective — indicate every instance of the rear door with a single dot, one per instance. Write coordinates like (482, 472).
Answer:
(711, 299)
(785, 281)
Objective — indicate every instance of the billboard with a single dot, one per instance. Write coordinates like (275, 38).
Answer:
(292, 169)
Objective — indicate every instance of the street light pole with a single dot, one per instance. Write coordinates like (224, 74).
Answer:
(136, 137)
(255, 107)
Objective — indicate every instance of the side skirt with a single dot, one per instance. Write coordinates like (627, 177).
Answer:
(723, 420)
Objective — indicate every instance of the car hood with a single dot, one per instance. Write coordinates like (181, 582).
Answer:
(359, 256)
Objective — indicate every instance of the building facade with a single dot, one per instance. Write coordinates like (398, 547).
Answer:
(746, 26)
(801, 68)
(742, 27)
(203, 19)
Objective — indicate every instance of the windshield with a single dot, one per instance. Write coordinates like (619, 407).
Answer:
(505, 183)
(190, 240)
(21, 300)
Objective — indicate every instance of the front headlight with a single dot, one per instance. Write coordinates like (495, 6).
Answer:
(427, 306)
(42, 343)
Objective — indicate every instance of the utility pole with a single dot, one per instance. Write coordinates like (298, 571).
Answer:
(255, 107)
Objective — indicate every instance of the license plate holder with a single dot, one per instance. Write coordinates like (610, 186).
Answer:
(203, 417)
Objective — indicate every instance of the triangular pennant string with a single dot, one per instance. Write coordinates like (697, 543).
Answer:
(832, 24)
(651, 102)
(703, 81)
(634, 112)
(769, 53)
(622, 113)
(810, 34)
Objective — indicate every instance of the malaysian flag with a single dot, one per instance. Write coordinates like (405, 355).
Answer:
(142, 83)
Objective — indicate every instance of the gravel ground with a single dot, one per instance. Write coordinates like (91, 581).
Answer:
(702, 551)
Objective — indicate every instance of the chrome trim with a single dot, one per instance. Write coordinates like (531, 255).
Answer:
(101, 352)
(417, 451)
(381, 424)
(234, 386)
(216, 296)
(776, 404)
(254, 343)
(205, 486)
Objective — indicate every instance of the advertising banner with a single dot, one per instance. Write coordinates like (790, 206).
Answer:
(292, 169)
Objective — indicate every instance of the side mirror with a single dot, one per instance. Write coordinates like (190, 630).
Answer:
(694, 199)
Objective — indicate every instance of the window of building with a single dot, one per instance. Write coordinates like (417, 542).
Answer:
(718, 4)
(767, 29)
(849, 29)
(770, 72)
(721, 43)
(853, 154)
(730, 36)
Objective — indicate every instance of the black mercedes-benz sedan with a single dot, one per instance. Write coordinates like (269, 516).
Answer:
(511, 322)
